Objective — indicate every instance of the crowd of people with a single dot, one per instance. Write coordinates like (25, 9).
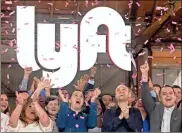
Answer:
(87, 110)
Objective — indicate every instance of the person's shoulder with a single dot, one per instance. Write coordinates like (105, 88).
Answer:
(4, 116)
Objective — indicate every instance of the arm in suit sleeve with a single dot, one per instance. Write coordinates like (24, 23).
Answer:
(62, 116)
(110, 122)
(146, 127)
(92, 116)
(135, 121)
(147, 98)
(89, 86)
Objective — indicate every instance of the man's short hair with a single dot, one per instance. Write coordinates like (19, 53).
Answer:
(176, 86)
(51, 98)
(164, 87)
(157, 85)
(106, 94)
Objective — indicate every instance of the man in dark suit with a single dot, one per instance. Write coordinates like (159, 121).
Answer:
(124, 118)
(164, 116)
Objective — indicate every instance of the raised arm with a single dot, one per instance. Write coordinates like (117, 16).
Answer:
(92, 116)
(146, 96)
(43, 117)
(63, 111)
(13, 121)
(27, 72)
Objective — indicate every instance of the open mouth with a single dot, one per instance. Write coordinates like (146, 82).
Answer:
(4, 106)
(78, 101)
(33, 113)
(168, 99)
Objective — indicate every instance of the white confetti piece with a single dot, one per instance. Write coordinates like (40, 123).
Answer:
(174, 22)
(150, 57)
(9, 66)
(137, 24)
(161, 49)
(6, 50)
(51, 4)
(7, 76)
(77, 126)
(8, 2)
(7, 22)
(12, 59)
(13, 30)
(12, 13)
(79, 13)
(146, 42)
(140, 54)
(174, 57)
(168, 30)
(108, 65)
(138, 4)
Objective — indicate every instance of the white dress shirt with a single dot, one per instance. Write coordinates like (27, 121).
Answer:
(166, 119)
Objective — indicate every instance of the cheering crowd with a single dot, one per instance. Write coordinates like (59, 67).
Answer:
(88, 110)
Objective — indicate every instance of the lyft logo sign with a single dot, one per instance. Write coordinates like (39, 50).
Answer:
(66, 60)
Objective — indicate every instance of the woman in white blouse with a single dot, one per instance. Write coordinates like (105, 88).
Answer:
(30, 116)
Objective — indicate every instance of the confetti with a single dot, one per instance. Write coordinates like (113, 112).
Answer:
(7, 76)
(12, 59)
(146, 42)
(171, 47)
(86, 3)
(174, 22)
(13, 30)
(51, 4)
(140, 54)
(77, 126)
(51, 58)
(87, 21)
(11, 24)
(6, 50)
(108, 65)
(90, 18)
(12, 13)
(168, 30)
(162, 49)
(79, 13)
(81, 117)
(174, 57)
(150, 57)
(74, 115)
(8, 2)
(66, 4)
(7, 22)
(2, 15)
(138, 4)
(134, 76)
(179, 39)
(6, 32)
(75, 47)
(137, 24)
(9, 66)
(138, 18)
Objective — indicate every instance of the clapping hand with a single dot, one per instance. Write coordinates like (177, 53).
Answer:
(95, 95)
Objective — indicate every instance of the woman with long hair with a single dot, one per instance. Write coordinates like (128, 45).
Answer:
(4, 104)
(29, 115)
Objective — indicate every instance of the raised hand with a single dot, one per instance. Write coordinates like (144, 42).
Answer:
(19, 99)
(93, 71)
(81, 83)
(35, 97)
(124, 112)
(95, 95)
(112, 105)
(144, 68)
(28, 70)
(61, 95)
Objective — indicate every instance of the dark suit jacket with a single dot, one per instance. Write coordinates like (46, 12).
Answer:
(112, 123)
(155, 111)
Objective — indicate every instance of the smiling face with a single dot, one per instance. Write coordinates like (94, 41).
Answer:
(53, 107)
(107, 99)
(122, 93)
(178, 94)
(77, 100)
(4, 102)
(168, 97)
(28, 112)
